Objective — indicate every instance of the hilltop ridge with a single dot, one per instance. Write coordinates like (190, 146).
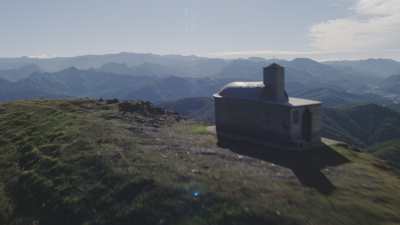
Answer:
(104, 162)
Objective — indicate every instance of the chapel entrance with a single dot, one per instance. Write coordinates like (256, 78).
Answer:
(307, 125)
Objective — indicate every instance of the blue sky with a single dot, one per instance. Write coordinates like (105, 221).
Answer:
(321, 29)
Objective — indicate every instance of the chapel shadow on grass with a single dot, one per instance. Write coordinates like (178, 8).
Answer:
(306, 165)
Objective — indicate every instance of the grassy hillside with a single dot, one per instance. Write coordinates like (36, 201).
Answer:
(364, 125)
(389, 151)
(86, 162)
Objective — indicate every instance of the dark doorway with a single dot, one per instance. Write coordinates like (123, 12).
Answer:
(307, 125)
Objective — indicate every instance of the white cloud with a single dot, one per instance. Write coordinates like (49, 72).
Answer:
(374, 26)
(378, 7)
(41, 56)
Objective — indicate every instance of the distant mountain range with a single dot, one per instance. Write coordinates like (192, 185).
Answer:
(373, 67)
(72, 82)
(391, 85)
(19, 73)
(172, 77)
(184, 65)
(195, 66)
(333, 97)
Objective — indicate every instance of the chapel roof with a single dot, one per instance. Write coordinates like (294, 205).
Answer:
(256, 91)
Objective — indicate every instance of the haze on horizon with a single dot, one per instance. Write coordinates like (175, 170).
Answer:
(318, 29)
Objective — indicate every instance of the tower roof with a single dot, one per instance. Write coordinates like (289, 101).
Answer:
(274, 65)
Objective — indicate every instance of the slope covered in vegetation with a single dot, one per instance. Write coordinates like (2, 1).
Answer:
(389, 151)
(89, 162)
(364, 125)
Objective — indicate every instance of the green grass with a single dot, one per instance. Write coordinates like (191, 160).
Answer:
(388, 151)
(363, 125)
(199, 129)
(83, 162)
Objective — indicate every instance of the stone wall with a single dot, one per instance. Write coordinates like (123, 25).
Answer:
(296, 128)
(265, 121)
